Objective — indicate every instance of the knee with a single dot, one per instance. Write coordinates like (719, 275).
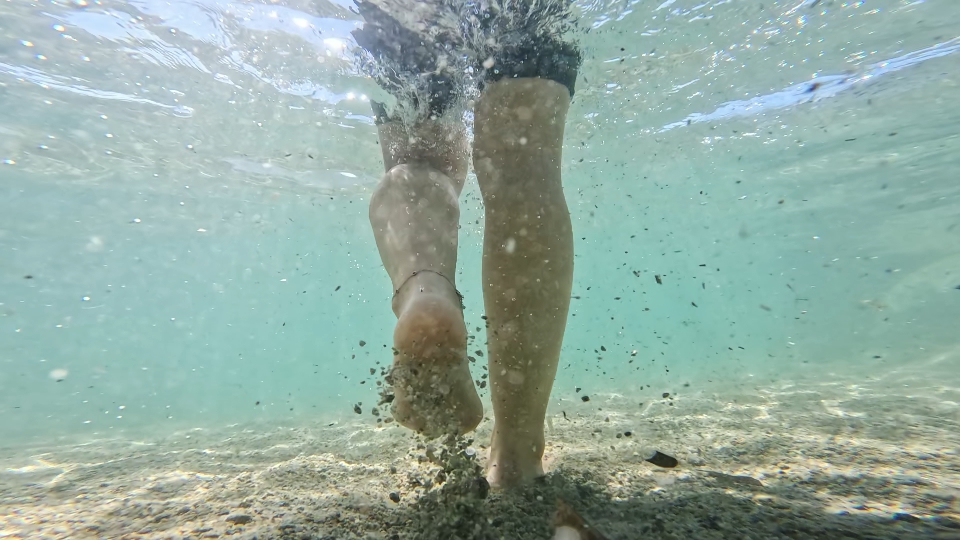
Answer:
(412, 181)
(400, 175)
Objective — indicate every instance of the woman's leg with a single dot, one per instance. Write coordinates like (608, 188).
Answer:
(527, 261)
(415, 213)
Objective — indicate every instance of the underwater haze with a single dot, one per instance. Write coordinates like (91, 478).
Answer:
(766, 209)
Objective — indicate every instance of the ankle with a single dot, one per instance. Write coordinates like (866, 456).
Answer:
(515, 464)
(522, 446)
(423, 285)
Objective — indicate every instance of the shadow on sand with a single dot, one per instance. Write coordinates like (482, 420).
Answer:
(712, 505)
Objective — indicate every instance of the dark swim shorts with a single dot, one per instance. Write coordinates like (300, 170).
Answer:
(427, 53)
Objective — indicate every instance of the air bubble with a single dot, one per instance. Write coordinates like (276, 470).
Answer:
(182, 111)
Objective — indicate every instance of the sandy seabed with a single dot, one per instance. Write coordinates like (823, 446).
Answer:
(870, 459)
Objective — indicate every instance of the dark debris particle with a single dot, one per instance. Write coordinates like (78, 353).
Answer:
(357, 409)
(577, 389)
(584, 398)
(909, 518)
(627, 433)
(362, 343)
(658, 278)
(239, 519)
(478, 352)
(666, 395)
(662, 460)
(394, 496)
(481, 487)
(255, 404)
(28, 276)
(602, 348)
(337, 289)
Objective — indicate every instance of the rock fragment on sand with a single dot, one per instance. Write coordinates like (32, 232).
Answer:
(239, 519)
(568, 525)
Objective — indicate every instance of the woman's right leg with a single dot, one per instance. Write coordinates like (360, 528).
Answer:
(528, 241)
(527, 263)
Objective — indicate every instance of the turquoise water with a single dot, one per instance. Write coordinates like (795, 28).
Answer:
(184, 188)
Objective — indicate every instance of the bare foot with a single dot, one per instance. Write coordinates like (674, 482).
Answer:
(433, 390)
(515, 457)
